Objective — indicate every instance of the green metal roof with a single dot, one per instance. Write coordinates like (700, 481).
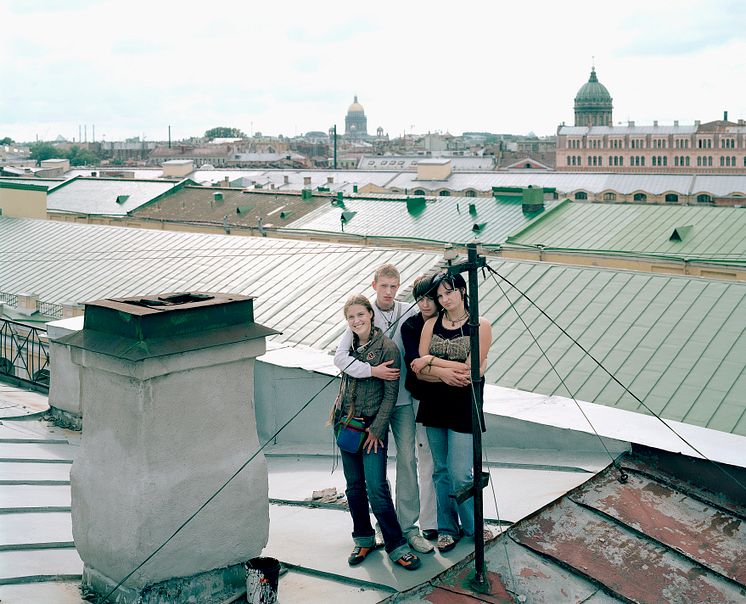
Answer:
(439, 220)
(711, 234)
(678, 343)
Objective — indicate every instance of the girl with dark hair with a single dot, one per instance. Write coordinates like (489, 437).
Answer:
(371, 400)
(446, 408)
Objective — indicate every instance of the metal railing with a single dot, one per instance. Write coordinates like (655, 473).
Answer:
(24, 353)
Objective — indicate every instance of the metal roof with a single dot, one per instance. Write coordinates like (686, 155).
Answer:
(678, 343)
(300, 286)
(442, 219)
(409, 162)
(712, 234)
(99, 196)
(658, 537)
(194, 204)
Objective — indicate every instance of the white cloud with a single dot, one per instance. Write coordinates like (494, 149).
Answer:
(137, 67)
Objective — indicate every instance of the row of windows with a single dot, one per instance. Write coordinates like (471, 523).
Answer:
(657, 161)
(582, 195)
(656, 143)
(670, 197)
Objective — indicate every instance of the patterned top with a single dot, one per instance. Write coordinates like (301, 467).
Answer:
(441, 405)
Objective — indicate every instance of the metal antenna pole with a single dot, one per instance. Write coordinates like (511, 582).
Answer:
(472, 265)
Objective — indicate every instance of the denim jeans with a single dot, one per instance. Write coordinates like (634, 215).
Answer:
(365, 474)
(453, 456)
(407, 491)
(428, 507)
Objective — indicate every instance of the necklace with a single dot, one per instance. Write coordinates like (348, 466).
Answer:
(453, 322)
(388, 318)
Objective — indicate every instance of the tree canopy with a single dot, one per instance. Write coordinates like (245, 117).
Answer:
(42, 151)
(6, 141)
(224, 132)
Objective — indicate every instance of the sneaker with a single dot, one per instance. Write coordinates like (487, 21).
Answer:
(430, 534)
(408, 561)
(446, 543)
(419, 544)
(358, 555)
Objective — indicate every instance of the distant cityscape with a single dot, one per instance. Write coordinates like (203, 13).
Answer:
(592, 144)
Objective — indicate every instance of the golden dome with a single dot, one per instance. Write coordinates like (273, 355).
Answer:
(355, 107)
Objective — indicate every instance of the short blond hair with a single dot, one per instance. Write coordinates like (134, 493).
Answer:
(386, 270)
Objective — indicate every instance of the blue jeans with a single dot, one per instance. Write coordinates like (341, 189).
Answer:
(403, 428)
(453, 456)
(365, 474)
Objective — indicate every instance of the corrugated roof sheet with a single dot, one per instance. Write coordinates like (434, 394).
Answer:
(441, 220)
(98, 196)
(678, 343)
(301, 286)
(717, 234)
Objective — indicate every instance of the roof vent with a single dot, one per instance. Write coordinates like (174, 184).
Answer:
(473, 209)
(478, 227)
(681, 233)
(346, 216)
(244, 209)
(122, 198)
(284, 214)
(217, 196)
(415, 205)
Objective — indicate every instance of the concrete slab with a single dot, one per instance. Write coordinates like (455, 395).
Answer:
(517, 493)
(41, 451)
(24, 430)
(320, 540)
(15, 402)
(35, 527)
(301, 588)
(28, 565)
(295, 479)
(33, 472)
(21, 497)
(38, 593)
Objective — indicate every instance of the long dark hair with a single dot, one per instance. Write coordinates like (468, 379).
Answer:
(451, 282)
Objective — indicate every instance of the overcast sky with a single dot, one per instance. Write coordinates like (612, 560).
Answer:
(133, 67)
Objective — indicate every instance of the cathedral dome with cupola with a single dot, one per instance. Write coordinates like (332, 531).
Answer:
(593, 103)
(356, 124)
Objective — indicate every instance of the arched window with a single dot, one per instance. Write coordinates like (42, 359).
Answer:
(722, 161)
(699, 161)
(704, 198)
(687, 160)
(665, 160)
(581, 195)
(672, 197)
(470, 193)
(445, 193)
(609, 196)
(676, 160)
(640, 197)
(419, 192)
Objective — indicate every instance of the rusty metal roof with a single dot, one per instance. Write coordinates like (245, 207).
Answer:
(230, 206)
(664, 535)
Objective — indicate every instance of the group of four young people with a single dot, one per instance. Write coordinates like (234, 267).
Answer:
(428, 408)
